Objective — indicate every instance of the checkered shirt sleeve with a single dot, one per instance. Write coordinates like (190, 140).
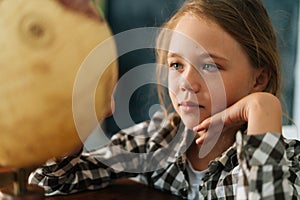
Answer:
(269, 168)
(89, 170)
(100, 167)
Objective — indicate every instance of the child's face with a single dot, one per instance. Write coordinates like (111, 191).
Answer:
(206, 78)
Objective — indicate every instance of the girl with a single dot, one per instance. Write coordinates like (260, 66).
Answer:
(236, 150)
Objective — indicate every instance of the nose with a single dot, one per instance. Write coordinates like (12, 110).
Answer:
(191, 80)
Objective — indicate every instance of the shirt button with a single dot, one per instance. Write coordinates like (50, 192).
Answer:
(184, 192)
(250, 149)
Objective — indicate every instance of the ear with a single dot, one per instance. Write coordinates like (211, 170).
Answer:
(262, 77)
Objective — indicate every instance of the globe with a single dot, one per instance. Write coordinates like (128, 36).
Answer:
(43, 44)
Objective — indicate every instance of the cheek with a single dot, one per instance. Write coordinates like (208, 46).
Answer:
(236, 91)
(173, 80)
(225, 91)
(173, 86)
(215, 94)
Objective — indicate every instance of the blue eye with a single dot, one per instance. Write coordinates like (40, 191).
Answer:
(210, 67)
(176, 66)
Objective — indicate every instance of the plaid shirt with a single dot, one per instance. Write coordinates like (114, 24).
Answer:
(255, 167)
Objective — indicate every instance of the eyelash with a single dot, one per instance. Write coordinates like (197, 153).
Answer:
(173, 65)
(215, 67)
(204, 67)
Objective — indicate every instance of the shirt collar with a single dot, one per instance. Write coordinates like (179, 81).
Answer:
(173, 136)
(229, 158)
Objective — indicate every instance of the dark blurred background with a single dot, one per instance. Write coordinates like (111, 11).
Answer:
(285, 18)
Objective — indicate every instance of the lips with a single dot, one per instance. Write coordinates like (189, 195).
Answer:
(189, 106)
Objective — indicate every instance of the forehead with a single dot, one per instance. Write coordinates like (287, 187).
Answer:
(197, 36)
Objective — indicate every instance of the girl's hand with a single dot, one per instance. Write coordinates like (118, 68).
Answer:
(262, 111)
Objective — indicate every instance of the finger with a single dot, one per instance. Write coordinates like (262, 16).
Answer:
(203, 125)
(214, 120)
(204, 138)
(208, 140)
(201, 136)
(200, 140)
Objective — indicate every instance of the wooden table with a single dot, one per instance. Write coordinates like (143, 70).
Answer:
(6, 176)
(123, 189)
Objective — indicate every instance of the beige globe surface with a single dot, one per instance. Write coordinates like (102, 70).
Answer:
(43, 44)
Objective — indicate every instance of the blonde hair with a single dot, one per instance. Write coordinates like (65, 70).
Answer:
(247, 21)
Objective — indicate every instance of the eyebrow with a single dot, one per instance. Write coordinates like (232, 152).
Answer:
(171, 55)
(204, 55)
(215, 56)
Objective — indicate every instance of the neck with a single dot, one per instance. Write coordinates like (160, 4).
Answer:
(200, 159)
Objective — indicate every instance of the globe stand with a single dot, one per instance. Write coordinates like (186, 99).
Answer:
(20, 190)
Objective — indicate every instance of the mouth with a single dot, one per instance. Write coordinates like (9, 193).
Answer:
(189, 106)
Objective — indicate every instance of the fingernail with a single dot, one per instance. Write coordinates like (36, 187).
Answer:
(199, 140)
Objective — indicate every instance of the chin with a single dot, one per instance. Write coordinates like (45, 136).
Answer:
(190, 120)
